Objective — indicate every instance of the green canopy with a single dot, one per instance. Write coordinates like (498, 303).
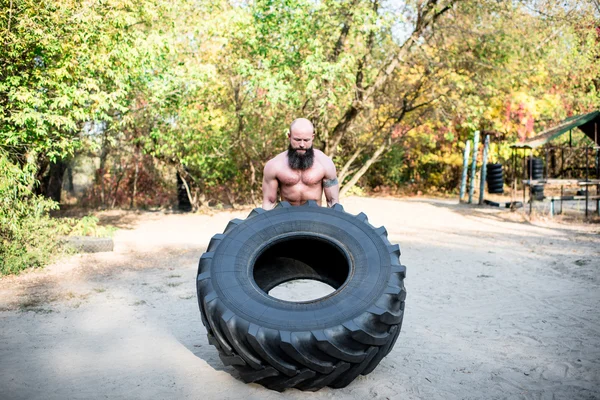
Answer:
(588, 123)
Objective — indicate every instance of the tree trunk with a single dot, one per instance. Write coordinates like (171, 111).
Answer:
(70, 185)
(115, 193)
(184, 197)
(183, 205)
(346, 168)
(364, 168)
(50, 176)
(135, 180)
(55, 180)
(101, 172)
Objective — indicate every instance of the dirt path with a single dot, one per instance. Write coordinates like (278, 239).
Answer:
(496, 309)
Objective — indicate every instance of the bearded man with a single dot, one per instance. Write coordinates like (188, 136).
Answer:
(301, 173)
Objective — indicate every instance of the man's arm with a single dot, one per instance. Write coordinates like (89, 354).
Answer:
(269, 186)
(331, 186)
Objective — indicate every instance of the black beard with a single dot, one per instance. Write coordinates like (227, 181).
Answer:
(300, 161)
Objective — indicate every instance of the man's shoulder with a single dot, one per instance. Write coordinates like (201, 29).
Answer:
(322, 157)
(276, 161)
(278, 158)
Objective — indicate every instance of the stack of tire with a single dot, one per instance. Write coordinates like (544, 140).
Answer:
(535, 171)
(495, 178)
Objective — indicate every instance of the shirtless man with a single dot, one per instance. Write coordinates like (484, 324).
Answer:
(301, 173)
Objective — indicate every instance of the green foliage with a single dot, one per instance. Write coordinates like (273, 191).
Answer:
(208, 89)
(87, 226)
(28, 236)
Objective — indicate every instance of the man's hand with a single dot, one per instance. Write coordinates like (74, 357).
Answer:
(269, 186)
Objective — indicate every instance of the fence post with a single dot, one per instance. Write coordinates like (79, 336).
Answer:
(483, 168)
(473, 166)
(463, 181)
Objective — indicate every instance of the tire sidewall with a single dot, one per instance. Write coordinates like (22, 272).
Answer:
(232, 268)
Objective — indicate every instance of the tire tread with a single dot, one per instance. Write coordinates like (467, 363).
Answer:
(312, 360)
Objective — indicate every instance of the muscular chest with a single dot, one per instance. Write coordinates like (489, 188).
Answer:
(309, 177)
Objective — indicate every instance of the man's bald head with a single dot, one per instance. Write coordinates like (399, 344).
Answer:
(302, 125)
(300, 151)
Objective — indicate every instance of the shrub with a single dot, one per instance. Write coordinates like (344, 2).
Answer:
(87, 226)
(28, 235)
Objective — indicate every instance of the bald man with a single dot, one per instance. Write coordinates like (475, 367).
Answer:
(301, 173)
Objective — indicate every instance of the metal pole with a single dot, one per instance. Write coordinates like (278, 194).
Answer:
(562, 194)
(484, 168)
(513, 194)
(587, 179)
(530, 179)
(463, 181)
(524, 166)
(562, 162)
(597, 166)
(473, 166)
(546, 165)
(570, 138)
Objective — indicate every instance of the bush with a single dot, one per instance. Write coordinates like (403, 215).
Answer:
(87, 226)
(28, 235)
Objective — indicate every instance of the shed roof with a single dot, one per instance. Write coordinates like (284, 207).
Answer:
(588, 123)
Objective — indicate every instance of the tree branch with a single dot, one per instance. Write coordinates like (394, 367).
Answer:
(337, 50)
(384, 74)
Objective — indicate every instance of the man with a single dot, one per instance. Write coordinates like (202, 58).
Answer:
(301, 173)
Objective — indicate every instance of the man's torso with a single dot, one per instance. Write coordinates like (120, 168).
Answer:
(298, 186)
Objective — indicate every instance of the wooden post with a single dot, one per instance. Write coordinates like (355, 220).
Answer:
(483, 174)
(473, 166)
(463, 181)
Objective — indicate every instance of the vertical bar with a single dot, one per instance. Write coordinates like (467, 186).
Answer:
(562, 193)
(598, 163)
(473, 166)
(570, 138)
(530, 180)
(587, 179)
(598, 177)
(524, 166)
(463, 181)
(513, 193)
(483, 174)
(597, 167)
(545, 175)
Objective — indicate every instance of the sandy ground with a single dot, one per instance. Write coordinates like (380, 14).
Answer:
(497, 308)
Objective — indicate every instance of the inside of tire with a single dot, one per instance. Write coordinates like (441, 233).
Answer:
(301, 257)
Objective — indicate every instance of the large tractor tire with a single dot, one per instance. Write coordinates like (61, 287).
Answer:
(305, 345)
